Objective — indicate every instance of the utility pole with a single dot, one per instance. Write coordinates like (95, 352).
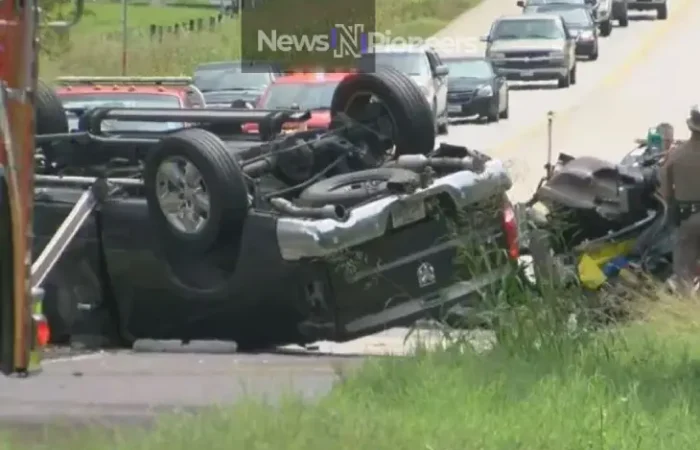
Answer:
(124, 36)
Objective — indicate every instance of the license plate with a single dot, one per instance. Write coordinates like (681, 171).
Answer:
(527, 73)
(454, 108)
(407, 212)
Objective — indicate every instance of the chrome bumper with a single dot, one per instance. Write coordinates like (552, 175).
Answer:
(300, 238)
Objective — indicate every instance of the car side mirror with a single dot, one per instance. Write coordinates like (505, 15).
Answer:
(520, 3)
(442, 71)
(485, 39)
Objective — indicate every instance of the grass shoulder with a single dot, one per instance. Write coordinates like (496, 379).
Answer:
(634, 388)
(95, 47)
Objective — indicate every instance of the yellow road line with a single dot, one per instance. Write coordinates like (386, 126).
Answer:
(613, 78)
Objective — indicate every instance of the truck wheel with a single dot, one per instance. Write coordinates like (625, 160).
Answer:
(195, 189)
(50, 118)
(606, 28)
(400, 107)
(662, 12)
(565, 81)
(624, 20)
(351, 189)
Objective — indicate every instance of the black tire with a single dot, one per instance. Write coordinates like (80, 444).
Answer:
(444, 128)
(594, 54)
(326, 191)
(506, 112)
(50, 118)
(414, 123)
(565, 81)
(228, 193)
(494, 114)
(606, 28)
(662, 12)
(624, 21)
(572, 75)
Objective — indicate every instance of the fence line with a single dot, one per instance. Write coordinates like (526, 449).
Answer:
(228, 9)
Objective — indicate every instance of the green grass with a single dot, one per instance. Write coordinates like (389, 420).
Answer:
(92, 52)
(101, 18)
(634, 390)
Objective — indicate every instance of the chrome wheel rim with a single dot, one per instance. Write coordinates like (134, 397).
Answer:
(182, 195)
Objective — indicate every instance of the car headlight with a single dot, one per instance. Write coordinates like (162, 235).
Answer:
(586, 35)
(485, 91)
(497, 55)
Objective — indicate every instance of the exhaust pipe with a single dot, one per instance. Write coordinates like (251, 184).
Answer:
(335, 212)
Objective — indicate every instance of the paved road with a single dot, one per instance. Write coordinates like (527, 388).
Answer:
(616, 98)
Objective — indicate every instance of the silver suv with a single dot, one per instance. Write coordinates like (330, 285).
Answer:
(424, 66)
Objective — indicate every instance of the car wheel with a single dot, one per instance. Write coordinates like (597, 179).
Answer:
(351, 189)
(505, 112)
(572, 75)
(50, 117)
(195, 190)
(402, 103)
(662, 12)
(594, 54)
(565, 81)
(494, 113)
(606, 28)
(436, 122)
(624, 20)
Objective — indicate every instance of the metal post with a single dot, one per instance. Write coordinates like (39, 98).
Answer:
(124, 36)
(550, 119)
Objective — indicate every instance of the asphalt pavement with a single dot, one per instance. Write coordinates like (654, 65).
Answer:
(645, 74)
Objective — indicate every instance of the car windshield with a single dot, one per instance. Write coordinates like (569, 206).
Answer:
(575, 17)
(415, 64)
(469, 68)
(299, 95)
(231, 77)
(121, 100)
(527, 29)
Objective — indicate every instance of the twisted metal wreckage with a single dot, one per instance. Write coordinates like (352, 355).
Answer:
(207, 233)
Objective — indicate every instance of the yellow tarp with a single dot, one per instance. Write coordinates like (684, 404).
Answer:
(590, 263)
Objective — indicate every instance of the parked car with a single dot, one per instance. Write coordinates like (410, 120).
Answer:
(474, 88)
(275, 238)
(78, 93)
(424, 66)
(533, 47)
(602, 11)
(660, 6)
(580, 23)
(224, 82)
(305, 91)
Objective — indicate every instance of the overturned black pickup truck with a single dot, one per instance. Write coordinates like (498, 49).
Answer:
(208, 233)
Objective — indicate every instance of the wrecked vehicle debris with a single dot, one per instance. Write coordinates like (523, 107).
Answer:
(210, 233)
(596, 223)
